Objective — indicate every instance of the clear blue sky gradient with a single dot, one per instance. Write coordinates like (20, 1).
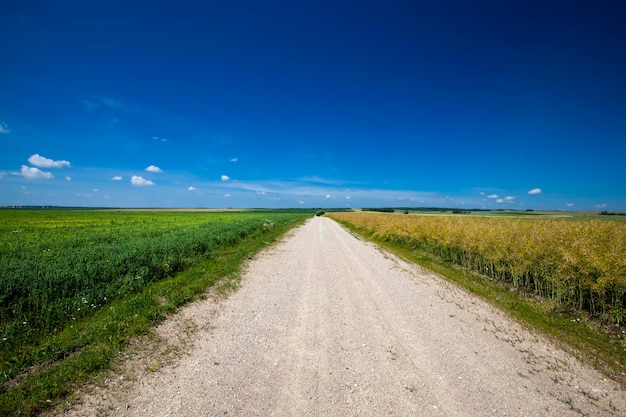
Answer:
(474, 104)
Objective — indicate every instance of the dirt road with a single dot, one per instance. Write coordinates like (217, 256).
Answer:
(328, 325)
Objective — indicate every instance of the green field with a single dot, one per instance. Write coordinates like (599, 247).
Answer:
(79, 283)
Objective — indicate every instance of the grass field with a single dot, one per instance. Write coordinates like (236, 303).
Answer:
(76, 284)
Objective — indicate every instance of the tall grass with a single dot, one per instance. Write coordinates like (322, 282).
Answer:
(576, 263)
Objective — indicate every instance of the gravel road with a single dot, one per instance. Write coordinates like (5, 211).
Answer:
(325, 324)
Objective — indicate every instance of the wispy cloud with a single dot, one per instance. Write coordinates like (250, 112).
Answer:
(298, 189)
(117, 178)
(603, 205)
(140, 181)
(89, 105)
(43, 162)
(191, 188)
(4, 128)
(570, 204)
(225, 178)
(234, 159)
(34, 173)
(227, 195)
(535, 191)
(96, 102)
(68, 178)
(324, 181)
(154, 168)
(493, 196)
(507, 199)
(108, 101)
(160, 139)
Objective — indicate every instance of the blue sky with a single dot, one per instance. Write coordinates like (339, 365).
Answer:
(475, 104)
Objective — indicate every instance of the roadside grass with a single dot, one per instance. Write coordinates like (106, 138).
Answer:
(79, 352)
(590, 342)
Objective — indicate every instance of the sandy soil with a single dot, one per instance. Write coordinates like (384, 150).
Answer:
(325, 324)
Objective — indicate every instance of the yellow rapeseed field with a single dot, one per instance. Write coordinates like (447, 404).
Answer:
(578, 263)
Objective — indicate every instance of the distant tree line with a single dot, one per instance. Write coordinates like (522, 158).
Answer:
(610, 213)
(381, 209)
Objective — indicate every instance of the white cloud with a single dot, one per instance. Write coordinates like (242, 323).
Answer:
(43, 162)
(154, 168)
(570, 204)
(300, 202)
(507, 199)
(234, 159)
(34, 173)
(67, 178)
(603, 205)
(261, 193)
(191, 188)
(493, 196)
(227, 195)
(348, 197)
(140, 182)
(225, 178)
(535, 191)
(116, 178)
(160, 139)
(328, 196)
(4, 128)
(95, 190)
(482, 193)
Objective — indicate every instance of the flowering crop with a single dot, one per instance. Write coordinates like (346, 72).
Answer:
(577, 263)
